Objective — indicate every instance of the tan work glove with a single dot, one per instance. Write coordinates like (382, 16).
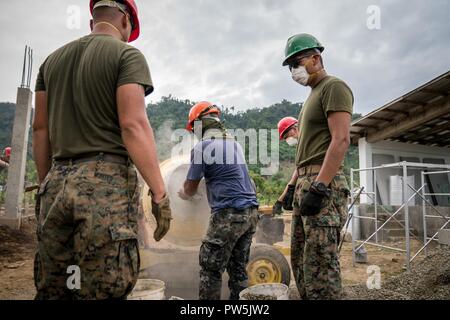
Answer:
(163, 215)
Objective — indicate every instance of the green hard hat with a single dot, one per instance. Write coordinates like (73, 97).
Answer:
(300, 42)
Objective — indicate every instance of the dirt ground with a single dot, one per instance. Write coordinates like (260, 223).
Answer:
(429, 279)
(391, 263)
(16, 261)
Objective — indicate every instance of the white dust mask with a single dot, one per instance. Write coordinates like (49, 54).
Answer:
(300, 75)
(291, 141)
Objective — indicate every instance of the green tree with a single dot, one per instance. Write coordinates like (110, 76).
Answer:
(171, 113)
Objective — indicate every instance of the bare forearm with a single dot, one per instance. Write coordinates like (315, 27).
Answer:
(41, 153)
(140, 143)
(294, 177)
(333, 160)
(189, 189)
(293, 181)
(283, 194)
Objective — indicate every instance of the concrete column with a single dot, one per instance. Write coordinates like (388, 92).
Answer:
(365, 161)
(16, 170)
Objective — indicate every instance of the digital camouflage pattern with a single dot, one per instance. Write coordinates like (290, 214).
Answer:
(297, 250)
(315, 241)
(226, 246)
(87, 218)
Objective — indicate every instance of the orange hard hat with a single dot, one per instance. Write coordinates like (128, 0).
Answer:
(8, 151)
(198, 110)
(285, 125)
(132, 9)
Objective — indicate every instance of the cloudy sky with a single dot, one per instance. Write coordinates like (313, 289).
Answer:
(230, 51)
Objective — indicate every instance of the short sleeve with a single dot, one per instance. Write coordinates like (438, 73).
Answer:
(196, 169)
(40, 83)
(134, 69)
(337, 97)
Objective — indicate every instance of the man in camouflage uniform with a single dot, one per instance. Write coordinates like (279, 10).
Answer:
(321, 194)
(87, 218)
(219, 159)
(90, 126)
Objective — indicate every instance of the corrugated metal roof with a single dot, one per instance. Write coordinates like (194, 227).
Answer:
(421, 116)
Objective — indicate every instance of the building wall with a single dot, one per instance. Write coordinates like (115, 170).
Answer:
(384, 152)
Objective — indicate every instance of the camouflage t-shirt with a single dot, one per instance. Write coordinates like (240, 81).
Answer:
(81, 80)
(330, 95)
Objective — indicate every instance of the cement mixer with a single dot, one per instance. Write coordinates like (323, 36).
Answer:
(174, 259)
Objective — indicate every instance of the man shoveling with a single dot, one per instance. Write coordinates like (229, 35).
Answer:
(220, 160)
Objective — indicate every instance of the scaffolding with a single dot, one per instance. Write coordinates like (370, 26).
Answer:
(421, 192)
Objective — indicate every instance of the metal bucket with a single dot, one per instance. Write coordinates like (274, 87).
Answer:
(267, 291)
(148, 289)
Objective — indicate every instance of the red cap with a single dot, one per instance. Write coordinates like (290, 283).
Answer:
(8, 151)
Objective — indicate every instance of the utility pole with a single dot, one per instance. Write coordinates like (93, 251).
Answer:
(19, 143)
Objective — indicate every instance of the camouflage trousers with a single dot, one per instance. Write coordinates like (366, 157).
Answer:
(226, 247)
(315, 242)
(87, 232)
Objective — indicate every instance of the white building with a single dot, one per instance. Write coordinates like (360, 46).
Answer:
(413, 128)
(404, 167)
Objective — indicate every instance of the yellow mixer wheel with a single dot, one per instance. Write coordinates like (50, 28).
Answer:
(267, 265)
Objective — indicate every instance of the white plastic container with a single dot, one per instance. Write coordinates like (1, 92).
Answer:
(148, 289)
(278, 291)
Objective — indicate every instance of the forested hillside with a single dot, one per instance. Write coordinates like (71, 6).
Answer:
(170, 114)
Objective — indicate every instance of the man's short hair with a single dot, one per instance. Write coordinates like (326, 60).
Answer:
(107, 12)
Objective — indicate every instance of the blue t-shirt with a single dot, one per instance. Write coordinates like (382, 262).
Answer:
(221, 162)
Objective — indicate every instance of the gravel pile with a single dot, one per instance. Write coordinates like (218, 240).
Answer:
(429, 279)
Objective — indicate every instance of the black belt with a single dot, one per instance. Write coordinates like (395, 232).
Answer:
(106, 157)
(313, 169)
(237, 211)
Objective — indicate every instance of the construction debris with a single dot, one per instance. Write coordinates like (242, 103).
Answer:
(361, 255)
